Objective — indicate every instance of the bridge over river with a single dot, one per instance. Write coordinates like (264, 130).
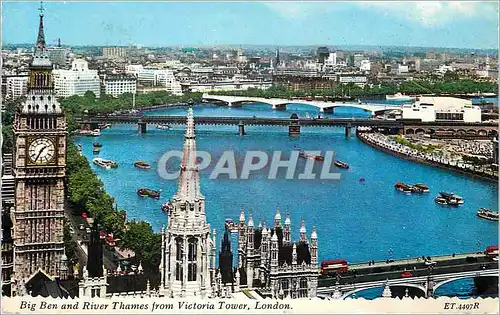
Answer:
(422, 277)
(280, 103)
(294, 124)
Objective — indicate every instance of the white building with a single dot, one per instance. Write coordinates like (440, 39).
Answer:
(403, 69)
(156, 77)
(118, 84)
(365, 65)
(442, 108)
(76, 81)
(225, 86)
(16, 86)
(331, 61)
(352, 78)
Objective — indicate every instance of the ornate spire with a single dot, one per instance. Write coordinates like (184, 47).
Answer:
(40, 41)
(189, 178)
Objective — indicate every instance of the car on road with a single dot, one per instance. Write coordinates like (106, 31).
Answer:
(81, 227)
(406, 274)
(430, 263)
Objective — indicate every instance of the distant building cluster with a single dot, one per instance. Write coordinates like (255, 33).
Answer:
(191, 69)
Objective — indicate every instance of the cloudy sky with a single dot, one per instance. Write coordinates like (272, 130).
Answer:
(418, 23)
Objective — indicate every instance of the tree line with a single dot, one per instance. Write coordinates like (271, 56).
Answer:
(447, 85)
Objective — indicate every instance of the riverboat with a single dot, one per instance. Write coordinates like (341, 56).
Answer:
(97, 145)
(311, 156)
(398, 97)
(142, 164)
(162, 127)
(105, 163)
(90, 133)
(441, 201)
(423, 187)
(341, 164)
(403, 187)
(452, 197)
(147, 192)
(96, 150)
(487, 214)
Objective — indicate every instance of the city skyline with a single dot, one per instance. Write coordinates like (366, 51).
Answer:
(414, 24)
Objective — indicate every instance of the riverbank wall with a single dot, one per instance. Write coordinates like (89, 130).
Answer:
(448, 167)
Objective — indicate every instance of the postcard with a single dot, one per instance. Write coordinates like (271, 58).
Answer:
(187, 157)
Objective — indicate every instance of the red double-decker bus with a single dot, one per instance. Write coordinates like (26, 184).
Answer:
(334, 266)
(491, 250)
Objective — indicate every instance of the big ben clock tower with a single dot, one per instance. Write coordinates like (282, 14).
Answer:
(39, 168)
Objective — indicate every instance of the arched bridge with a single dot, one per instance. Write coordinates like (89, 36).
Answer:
(422, 278)
(279, 103)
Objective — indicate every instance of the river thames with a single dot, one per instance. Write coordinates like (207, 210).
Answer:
(355, 220)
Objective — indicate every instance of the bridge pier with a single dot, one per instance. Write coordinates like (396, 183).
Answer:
(280, 107)
(142, 127)
(348, 130)
(241, 128)
(294, 129)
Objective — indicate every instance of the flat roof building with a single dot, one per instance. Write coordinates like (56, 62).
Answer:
(429, 108)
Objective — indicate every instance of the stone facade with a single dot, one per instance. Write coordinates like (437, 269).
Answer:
(273, 263)
(188, 252)
(39, 169)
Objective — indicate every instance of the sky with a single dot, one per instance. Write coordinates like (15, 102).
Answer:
(450, 24)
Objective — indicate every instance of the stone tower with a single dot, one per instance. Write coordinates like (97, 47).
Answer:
(188, 253)
(39, 169)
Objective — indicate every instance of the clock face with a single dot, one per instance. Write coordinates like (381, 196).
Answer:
(41, 151)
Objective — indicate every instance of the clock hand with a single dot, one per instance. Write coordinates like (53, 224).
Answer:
(39, 153)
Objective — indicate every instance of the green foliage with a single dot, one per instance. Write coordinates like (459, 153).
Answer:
(75, 106)
(86, 191)
(449, 84)
(10, 107)
(69, 244)
(144, 242)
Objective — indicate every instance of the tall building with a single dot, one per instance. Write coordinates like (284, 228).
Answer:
(114, 52)
(59, 56)
(17, 86)
(118, 84)
(77, 81)
(187, 265)
(39, 158)
(268, 259)
(322, 53)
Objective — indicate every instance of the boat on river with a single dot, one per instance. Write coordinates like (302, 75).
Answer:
(403, 187)
(341, 164)
(487, 214)
(449, 199)
(96, 150)
(424, 188)
(105, 163)
(162, 127)
(231, 226)
(398, 97)
(90, 133)
(97, 145)
(142, 164)
(311, 156)
(147, 192)
(440, 201)
(454, 198)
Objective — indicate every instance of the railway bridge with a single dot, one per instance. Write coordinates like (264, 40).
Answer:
(421, 277)
(295, 123)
